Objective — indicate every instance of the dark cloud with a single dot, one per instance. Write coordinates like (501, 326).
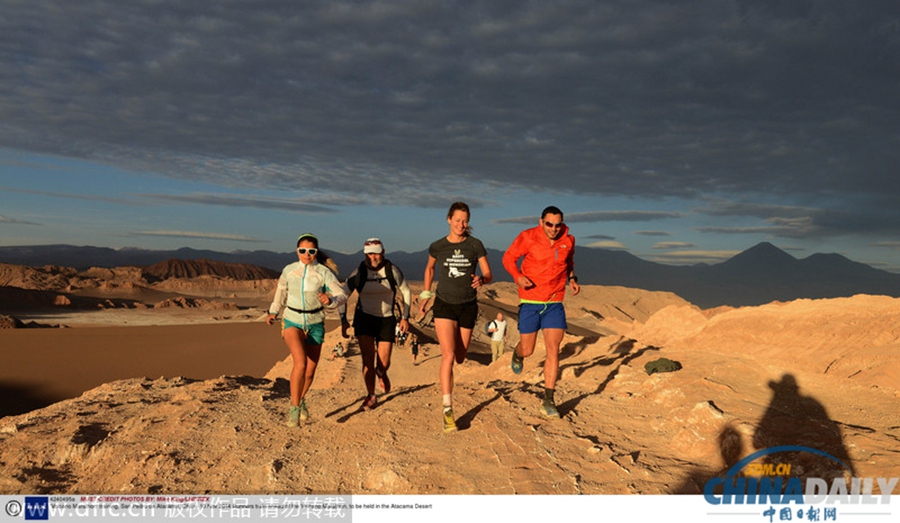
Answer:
(636, 98)
(599, 237)
(840, 218)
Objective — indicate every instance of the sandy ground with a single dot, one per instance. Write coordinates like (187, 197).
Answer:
(622, 431)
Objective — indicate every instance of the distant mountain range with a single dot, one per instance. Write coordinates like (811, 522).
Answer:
(761, 274)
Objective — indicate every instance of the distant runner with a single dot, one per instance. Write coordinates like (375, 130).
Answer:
(414, 348)
(497, 330)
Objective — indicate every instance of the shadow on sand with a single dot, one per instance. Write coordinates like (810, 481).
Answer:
(18, 399)
(624, 353)
(791, 419)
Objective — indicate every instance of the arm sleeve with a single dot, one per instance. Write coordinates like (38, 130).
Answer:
(338, 291)
(280, 299)
(570, 262)
(349, 286)
(404, 291)
(428, 278)
(512, 255)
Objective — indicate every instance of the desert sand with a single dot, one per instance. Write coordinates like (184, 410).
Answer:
(200, 408)
(50, 365)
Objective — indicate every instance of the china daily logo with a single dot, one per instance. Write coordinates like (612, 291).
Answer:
(37, 508)
(764, 483)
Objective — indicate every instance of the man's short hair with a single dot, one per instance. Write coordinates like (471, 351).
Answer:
(552, 210)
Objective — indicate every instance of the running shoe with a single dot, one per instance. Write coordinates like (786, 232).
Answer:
(304, 412)
(369, 402)
(548, 409)
(293, 417)
(449, 423)
(383, 380)
(516, 363)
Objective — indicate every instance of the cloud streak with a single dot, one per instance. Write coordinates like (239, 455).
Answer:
(608, 244)
(71, 196)
(687, 257)
(298, 205)
(6, 220)
(197, 235)
(601, 216)
(673, 245)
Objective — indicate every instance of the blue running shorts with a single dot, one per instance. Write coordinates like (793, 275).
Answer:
(536, 316)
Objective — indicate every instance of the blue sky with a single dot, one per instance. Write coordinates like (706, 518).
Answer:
(679, 131)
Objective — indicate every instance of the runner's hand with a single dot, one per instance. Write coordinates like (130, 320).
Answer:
(524, 282)
(324, 299)
(422, 307)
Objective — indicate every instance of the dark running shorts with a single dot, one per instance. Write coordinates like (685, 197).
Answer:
(382, 329)
(463, 314)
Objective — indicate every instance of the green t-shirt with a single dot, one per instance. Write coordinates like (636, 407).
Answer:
(456, 263)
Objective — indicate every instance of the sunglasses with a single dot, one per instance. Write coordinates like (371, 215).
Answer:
(374, 242)
(303, 250)
(553, 225)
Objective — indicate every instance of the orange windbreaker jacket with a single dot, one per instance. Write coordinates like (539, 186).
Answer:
(545, 263)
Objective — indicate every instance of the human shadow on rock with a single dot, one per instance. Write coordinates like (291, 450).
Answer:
(792, 421)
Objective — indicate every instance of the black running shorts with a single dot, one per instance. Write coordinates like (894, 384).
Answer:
(462, 313)
(382, 329)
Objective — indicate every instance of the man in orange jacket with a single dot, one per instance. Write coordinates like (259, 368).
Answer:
(546, 254)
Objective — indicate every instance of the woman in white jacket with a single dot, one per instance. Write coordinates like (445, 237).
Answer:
(305, 289)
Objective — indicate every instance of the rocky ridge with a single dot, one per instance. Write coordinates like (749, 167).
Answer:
(197, 268)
